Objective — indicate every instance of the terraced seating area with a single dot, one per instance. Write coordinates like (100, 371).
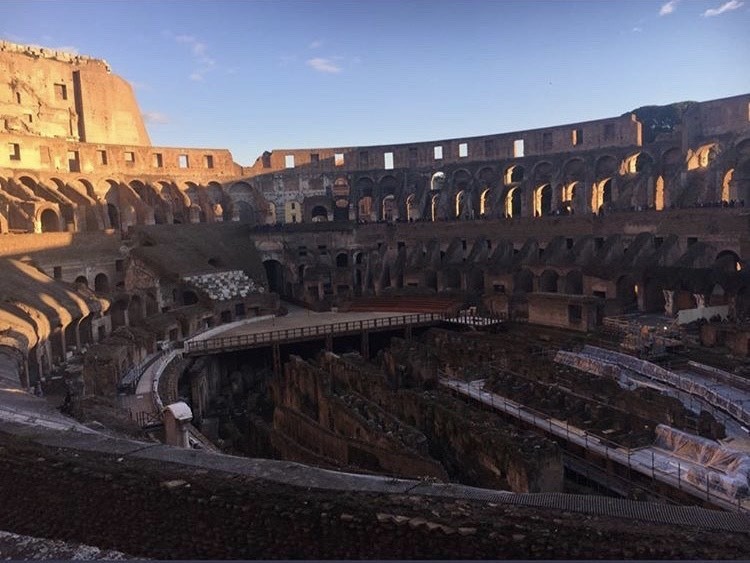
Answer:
(225, 285)
(405, 304)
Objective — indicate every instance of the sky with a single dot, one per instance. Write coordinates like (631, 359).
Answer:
(259, 75)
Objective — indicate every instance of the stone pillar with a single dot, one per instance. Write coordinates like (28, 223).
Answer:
(668, 302)
(176, 418)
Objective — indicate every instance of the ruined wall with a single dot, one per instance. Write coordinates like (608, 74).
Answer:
(342, 428)
(475, 449)
(56, 94)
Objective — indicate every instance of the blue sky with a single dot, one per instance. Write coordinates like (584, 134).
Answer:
(253, 76)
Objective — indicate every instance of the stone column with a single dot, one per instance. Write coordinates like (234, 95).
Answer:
(668, 302)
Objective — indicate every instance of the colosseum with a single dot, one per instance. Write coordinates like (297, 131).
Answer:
(508, 346)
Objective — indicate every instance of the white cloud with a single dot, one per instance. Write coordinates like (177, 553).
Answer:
(637, 29)
(198, 49)
(316, 44)
(726, 7)
(324, 65)
(155, 117)
(668, 8)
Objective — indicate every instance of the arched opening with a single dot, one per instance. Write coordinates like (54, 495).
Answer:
(246, 212)
(513, 202)
(728, 261)
(574, 283)
(135, 310)
(523, 281)
(653, 297)
(484, 203)
(101, 283)
(569, 197)
(601, 195)
(274, 275)
(342, 260)
(727, 187)
(189, 297)
(319, 214)
(659, 194)
(50, 222)
(82, 280)
(548, 281)
(390, 211)
(513, 174)
(364, 208)
(543, 200)
(412, 213)
(437, 181)
(114, 217)
(627, 294)
(435, 202)
(460, 203)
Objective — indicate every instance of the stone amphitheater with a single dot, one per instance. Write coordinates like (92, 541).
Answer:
(517, 345)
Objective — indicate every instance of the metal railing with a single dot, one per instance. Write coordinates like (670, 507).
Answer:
(627, 457)
(302, 333)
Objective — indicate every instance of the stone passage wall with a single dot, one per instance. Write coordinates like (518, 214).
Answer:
(475, 448)
(316, 422)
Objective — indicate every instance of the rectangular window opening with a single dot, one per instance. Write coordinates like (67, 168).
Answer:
(388, 160)
(208, 160)
(158, 160)
(489, 147)
(289, 161)
(119, 265)
(61, 92)
(438, 152)
(692, 240)
(102, 157)
(413, 155)
(577, 137)
(463, 150)
(364, 159)
(18, 97)
(182, 161)
(73, 162)
(518, 148)
(129, 157)
(29, 118)
(547, 140)
(314, 158)
(609, 131)
(57, 272)
(15, 151)
(575, 313)
(338, 159)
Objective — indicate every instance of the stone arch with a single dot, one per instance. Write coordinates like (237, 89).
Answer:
(485, 202)
(412, 210)
(342, 260)
(659, 194)
(627, 293)
(636, 163)
(514, 174)
(606, 166)
(435, 206)
(543, 200)
(523, 281)
(148, 195)
(101, 283)
(275, 275)
(49, 220)
(254, 203)
(728, 191)
(437, 181)
(178, 201)
(82, 280)
(319, 214)
(702, 156)
(389, 208)
(365, 190)
(245, 213)
(460, 204)
(572, 195)
(601, 195)
(548, 281)
(541, 173)
(512, 202)
(728, 261)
